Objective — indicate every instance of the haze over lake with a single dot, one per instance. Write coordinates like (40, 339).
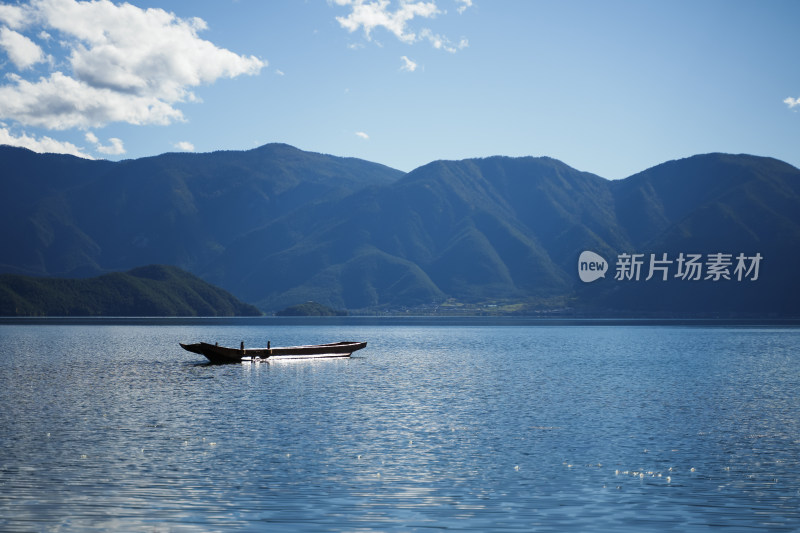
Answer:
(502, 426)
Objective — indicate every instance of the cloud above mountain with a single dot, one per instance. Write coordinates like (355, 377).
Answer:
(43, 144)
(117, 63)
(115, 146)
(369, 15)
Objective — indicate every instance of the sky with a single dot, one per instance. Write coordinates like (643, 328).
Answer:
(610, 87)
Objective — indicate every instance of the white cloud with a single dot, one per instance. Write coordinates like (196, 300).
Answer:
(127, 65)
(115, 148)
(41, 144)
(362, 135)
(408, 65)
(12, 16)
(440, 42)
(370, 15)
(464, 4)
(61, 102)
(792, 102)
(21, 51)
(185, 146)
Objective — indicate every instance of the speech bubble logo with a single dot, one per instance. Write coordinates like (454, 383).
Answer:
(591, 266)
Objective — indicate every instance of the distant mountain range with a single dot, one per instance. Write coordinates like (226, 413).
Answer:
(153, 290)
(277, 226)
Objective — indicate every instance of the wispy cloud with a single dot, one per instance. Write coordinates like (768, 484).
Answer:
(125, 64)
(463, 5)
(184, 146)
(792, 102)
(377, 14)
(440, 42)
(369, 15)
(408, 65)
(115, 147)
(362, 135)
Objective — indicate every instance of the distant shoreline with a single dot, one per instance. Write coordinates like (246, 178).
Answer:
(397, 321)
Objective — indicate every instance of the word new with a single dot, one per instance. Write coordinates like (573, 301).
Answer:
(591, 266)
(690, 267)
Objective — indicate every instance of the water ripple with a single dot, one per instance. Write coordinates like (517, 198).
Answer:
(458, 427)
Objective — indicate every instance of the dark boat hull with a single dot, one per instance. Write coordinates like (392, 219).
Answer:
(221, 354)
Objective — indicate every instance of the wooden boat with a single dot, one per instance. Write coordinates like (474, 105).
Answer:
(221, 354)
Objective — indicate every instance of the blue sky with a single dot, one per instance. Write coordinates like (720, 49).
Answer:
(609, 87)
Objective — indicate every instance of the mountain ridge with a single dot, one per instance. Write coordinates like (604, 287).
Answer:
(484, 230)
(104, 212)
(153, 290)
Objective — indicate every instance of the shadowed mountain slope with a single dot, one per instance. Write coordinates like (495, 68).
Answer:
(474, 229)
(277, 226)
(73, 217)
(145, 291)
(709, 204)
(512, 228)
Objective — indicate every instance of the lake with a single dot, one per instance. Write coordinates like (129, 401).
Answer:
(473, 425)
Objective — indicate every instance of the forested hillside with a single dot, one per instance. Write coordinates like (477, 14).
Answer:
(277, 227)
(146, 291)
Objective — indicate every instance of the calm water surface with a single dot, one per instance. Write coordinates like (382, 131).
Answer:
(484, 427)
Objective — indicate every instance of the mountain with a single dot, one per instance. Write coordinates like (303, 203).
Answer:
(472, 229)
(709, 204)
(511, 229)
(277, 227)
(75, 217)
(145, 291)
